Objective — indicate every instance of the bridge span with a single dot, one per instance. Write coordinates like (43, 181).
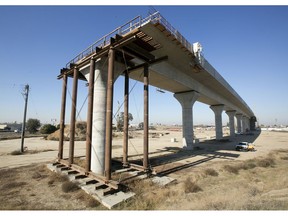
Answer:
(151, 51)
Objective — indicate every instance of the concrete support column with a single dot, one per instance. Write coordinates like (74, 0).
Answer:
(99, 109)
(239, 126)
(252, 122)
(246, 126)
(231, 114)
(187, 100)
(99, 118)
(218, 109)
(248, 123)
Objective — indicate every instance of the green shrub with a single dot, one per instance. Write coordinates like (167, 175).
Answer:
(48, 129)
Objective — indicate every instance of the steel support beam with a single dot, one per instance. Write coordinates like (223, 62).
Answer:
(109, 114)
(62, 117)
(73, 115)
(89, 115)
(146, 118)
(126, 119)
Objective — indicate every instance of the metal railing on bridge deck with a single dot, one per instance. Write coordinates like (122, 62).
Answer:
(128, 27)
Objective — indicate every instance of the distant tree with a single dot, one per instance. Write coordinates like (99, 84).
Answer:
(32, 125)
(141, 125)
(120, 121)
(48, 129)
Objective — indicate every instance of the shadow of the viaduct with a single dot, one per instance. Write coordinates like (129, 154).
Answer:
(209, 149)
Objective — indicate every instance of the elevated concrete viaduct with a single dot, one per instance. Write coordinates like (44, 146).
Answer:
(152, 51)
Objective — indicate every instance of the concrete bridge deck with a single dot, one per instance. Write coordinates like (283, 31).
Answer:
(154, 52)
(156, 38)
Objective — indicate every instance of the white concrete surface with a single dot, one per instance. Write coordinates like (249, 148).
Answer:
(231, 115)
(218, 109)
(187, 101)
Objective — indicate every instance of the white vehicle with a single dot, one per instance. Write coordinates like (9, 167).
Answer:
(244, 146)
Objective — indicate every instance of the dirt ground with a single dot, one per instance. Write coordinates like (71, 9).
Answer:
(212, 176)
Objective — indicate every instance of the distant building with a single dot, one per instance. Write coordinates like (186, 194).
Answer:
(4, 127)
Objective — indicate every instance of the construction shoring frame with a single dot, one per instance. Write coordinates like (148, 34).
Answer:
(115, 44)
(62, 117)
(109, 109)
(90, 115)
(73, 115)
(126, 119)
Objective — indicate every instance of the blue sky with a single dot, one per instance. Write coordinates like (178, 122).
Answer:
(246, 44)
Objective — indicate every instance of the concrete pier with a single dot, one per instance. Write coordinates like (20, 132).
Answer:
(231, 115)
(218, 109)
(239, 122)
(99, 111)
(187, 100)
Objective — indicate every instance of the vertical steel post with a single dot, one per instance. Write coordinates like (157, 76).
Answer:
(89, 115)
(62, 117)
(109, 114)
(146, 118)
(73, 115)
(126, 119)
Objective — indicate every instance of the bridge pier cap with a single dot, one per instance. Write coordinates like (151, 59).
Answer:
(218, 109)
(187, 100)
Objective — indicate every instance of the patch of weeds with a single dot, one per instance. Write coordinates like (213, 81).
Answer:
(211, 172)
(216, 205)
(57, 177)
(7, 173)
(250, 164)
(16, 152)
(69, 187)
(253, 191)
(232, 169)
(91, 202)
(143, 204)
(80, 162)
(37, 175)
(13, 185)
(266, 162)
(191, 186)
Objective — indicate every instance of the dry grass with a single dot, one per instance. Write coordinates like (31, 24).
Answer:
(211, 172)
(245, 185)
(266, 162)
(191, 186)
(69, 187)
(56, 177)
(16, 152)
(232, 168)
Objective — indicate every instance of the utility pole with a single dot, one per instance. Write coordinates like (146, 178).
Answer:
(25, 94)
